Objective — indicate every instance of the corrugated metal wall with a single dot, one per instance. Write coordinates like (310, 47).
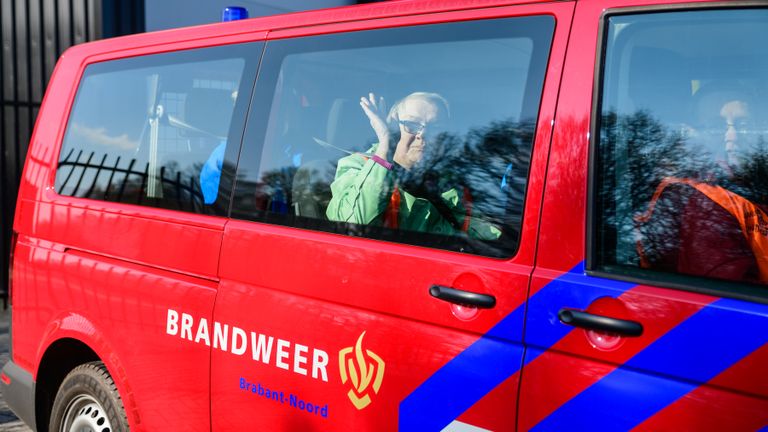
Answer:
(34, 33)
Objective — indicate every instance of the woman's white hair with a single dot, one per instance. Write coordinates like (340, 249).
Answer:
(435, 99)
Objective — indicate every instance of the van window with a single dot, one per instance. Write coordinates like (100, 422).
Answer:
(458, 103)
(152, 130)
(682, 181)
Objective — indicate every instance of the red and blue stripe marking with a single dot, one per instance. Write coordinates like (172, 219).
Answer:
(703, 343)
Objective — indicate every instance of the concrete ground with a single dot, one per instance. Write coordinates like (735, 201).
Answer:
(8, 421)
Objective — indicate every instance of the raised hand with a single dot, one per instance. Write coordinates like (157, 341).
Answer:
(376, 111)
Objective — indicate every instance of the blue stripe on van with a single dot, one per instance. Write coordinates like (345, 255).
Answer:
(574, 290)
(694, 352)
(463, 381)
(476, 371)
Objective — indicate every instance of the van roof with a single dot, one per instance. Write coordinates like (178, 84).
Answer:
(224, 30)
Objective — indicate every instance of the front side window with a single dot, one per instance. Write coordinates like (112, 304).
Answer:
(420, 135)
(682, 182)
(153, 130)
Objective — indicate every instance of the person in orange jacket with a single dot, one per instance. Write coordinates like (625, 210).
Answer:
(703, 228)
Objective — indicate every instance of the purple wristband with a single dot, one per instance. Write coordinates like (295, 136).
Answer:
(382, 162)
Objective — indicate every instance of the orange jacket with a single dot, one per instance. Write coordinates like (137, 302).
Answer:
(752, 220)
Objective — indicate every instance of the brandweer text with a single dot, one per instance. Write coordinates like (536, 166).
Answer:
(292, 357)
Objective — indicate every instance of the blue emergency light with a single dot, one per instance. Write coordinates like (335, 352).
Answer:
(234, 13)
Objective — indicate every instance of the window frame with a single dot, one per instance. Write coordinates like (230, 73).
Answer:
(697, 284)
(252, 51)
(446, 243)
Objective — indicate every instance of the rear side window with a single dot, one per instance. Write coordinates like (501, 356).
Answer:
(682, 181)
(420, 135)
(153, 130)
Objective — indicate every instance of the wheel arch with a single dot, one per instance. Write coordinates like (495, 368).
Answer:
(59, 359)
(69, 340)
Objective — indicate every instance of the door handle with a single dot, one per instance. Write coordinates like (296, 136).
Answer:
(590, 321)
(465, 298)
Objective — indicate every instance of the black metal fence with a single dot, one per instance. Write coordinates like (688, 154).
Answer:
(126, 181)
(34, 33)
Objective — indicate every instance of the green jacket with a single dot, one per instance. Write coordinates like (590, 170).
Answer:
(362, 190)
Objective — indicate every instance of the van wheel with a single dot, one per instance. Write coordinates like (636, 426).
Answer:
(88, 401)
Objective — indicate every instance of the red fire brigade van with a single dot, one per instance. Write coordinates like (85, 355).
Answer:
(461, 215)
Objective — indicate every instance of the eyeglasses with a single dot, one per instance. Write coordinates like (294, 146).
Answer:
(430, 129)
(412, 127)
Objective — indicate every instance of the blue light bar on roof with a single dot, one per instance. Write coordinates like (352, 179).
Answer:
(234, 13)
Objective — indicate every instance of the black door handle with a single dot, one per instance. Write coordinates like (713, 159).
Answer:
(590, 321)
(465, 298)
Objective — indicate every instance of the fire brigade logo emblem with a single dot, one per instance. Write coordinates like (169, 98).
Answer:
(363, 370)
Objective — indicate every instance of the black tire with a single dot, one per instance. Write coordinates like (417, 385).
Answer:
(88, 399)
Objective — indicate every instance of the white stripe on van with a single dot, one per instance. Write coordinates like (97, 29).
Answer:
(457, 426)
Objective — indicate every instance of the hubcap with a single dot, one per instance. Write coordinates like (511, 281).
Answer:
(85, 414)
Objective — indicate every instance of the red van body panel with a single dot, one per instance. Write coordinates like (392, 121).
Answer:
(102, 273)
(556, 374)
(334, 284)
(114, 277)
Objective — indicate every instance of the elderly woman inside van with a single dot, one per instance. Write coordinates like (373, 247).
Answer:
(373, 187)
